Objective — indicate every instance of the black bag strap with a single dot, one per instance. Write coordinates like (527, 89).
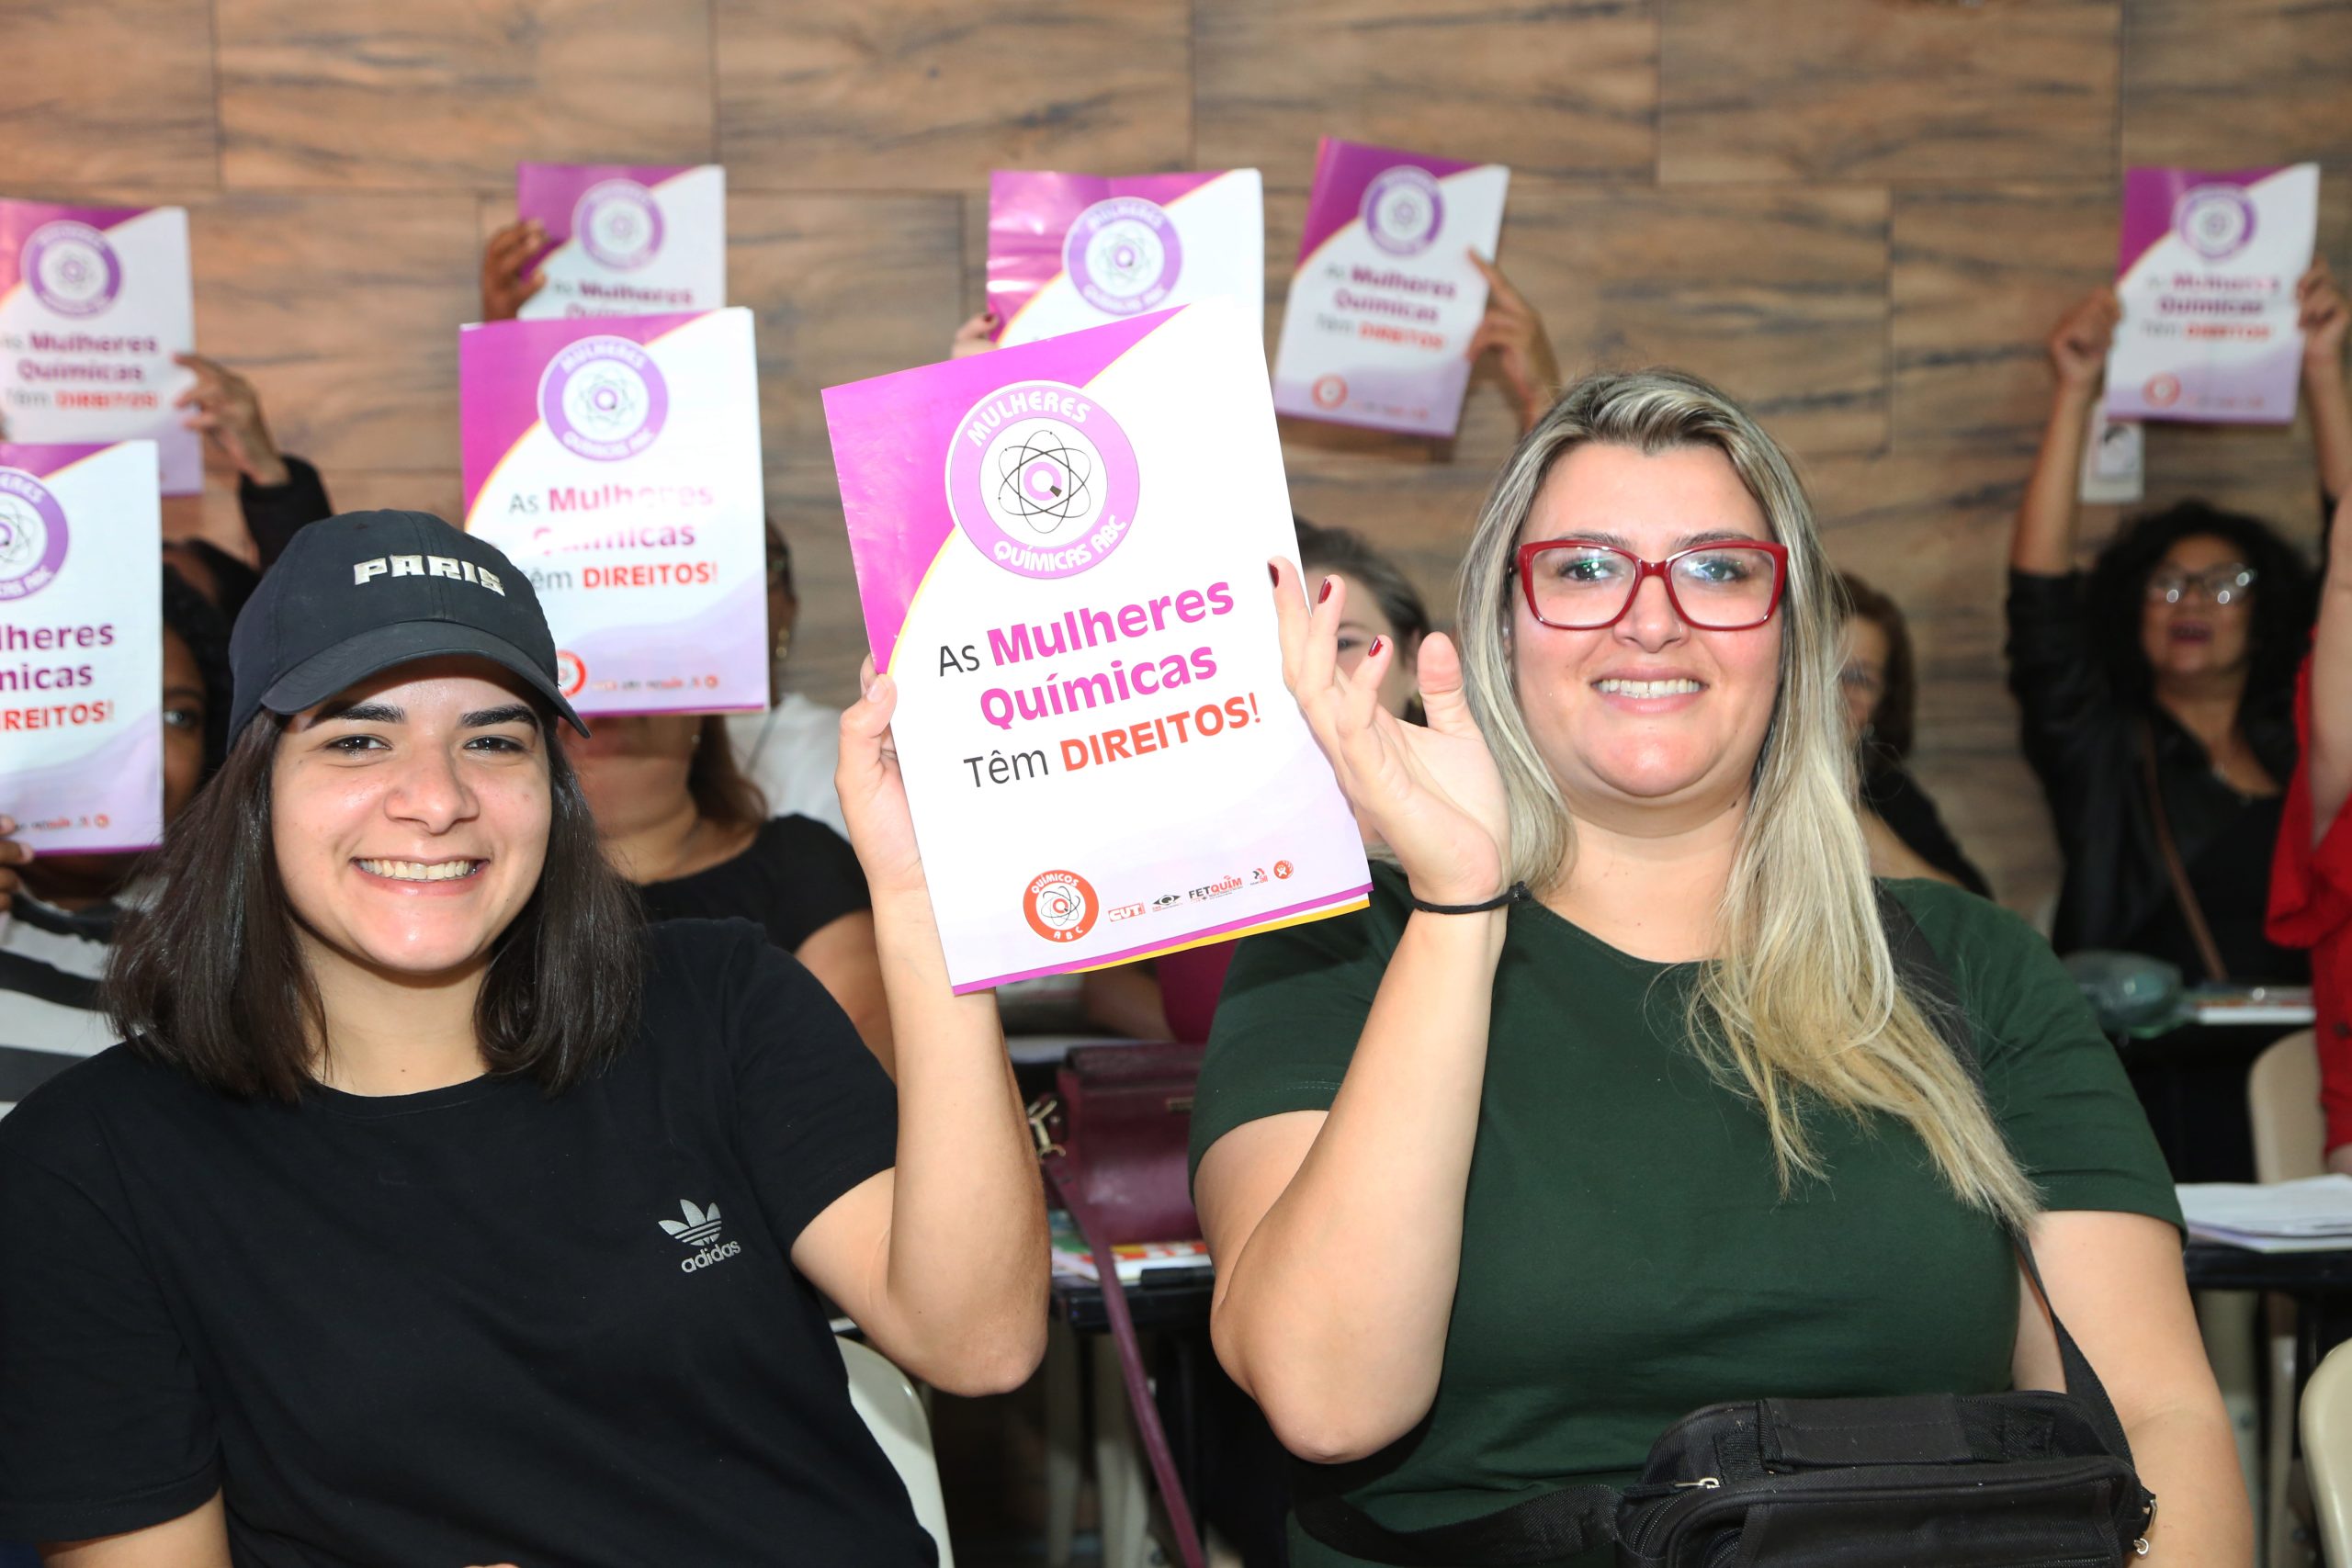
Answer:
(1562, 1523)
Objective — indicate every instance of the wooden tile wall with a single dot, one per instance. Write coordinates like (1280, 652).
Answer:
(1861, 216)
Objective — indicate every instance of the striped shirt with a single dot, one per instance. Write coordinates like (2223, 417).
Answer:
(49, 965)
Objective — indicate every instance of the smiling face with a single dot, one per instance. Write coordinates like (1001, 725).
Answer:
(410, 817)
(1649, 716)
(2192, 635)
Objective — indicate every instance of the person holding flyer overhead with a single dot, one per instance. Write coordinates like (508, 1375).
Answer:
(437, 1210)
(1576, 1127)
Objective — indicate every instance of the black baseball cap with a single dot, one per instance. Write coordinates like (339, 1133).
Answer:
(368, 590)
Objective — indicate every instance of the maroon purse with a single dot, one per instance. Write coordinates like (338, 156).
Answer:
(1114, 1140)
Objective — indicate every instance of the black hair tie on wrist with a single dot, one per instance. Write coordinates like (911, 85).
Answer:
(1516, 893)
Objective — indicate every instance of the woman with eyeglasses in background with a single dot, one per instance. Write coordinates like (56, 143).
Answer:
(2159, 689)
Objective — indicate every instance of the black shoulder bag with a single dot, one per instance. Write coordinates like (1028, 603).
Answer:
(2027, 1479)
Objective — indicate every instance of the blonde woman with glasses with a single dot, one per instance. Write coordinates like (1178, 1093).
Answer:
(1499, 1186)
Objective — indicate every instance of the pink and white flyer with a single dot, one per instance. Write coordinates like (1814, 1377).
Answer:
(1072, 251)
(617, 461)
(1061, 550)
(94, 303)
(1385, 301)
(81, 646)
(627, 240)
(2207, 271)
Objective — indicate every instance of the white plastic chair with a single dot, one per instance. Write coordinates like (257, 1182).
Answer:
(2290, 1139)
(2327, 1451)
(886, 1400)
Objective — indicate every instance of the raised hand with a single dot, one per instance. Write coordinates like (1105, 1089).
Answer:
(874, 795)
(977, 335)
(503, 286)
(1431, 794)
(1513, 330)
(224, 406)
(12, 855)
(2078, 344)
(2324, 315)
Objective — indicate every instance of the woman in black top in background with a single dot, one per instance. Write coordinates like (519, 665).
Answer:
(1881, 684)
(2172, 659)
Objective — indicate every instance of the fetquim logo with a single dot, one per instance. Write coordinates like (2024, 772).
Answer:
(71, 268)
(618, 223)
(1042, 478)
(700, 1230)
(2216, 222)
(1123, 255)
(604, 398)
(1403, 210)
(32, 535)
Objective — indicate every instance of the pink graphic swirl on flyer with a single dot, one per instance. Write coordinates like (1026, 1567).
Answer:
(94, 303)
(1060, 549)
(81, 646)
(1070, 251)
(626, 239)
(2206, 269)
(1386, 300)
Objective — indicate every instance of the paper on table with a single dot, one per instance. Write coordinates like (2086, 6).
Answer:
(2311, 1216)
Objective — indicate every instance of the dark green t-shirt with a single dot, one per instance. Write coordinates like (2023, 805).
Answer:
(1628, 1256)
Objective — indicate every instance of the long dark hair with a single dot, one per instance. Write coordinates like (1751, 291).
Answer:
(1893, 721)
(723, 793)
(2284, 600)
(210, 977)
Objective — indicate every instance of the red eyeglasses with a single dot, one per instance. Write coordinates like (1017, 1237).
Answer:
(1582, 585)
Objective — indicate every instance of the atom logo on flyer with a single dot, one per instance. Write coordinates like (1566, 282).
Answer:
(604, 398)
(1123, 255)
(618, 223)
(1042, 478)
(1403, 210)
(1060, 906)
(32, 535)
(2216, 222)
(71, 268)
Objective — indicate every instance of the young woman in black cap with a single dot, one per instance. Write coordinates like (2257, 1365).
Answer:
(437, 1212)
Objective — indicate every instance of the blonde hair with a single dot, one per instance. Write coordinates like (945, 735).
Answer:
(1803, 998)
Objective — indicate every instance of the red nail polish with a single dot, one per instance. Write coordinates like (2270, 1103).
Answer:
(1326, 593)
(1374, 651)
(1273, 574)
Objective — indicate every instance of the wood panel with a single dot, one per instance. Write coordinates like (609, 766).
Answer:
(1886, 89)
(813, 268)
(2235, 84)
(1562, 90)
(117, 96)
(930, 95)
(343, 310)
(1980, 275)
(435, 93)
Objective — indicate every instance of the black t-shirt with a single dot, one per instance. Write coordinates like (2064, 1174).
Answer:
(798, 876)
(474, 1325)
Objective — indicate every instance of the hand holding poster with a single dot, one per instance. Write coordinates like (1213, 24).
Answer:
(1072, 251)
(2207, 274)
(617, 462)
(94, 303)
(81, 647)
(1386, 300)
(627, 240)
(1061, 551)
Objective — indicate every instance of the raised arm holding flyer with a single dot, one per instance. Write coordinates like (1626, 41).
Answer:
(1061, 550)
(627, 240)
(1072, 251)
(1387, 297)
(617, 463)
(2206, 274)
(94, 303)
(81, 647)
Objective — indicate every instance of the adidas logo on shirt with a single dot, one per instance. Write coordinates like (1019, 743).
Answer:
(700, 1229)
